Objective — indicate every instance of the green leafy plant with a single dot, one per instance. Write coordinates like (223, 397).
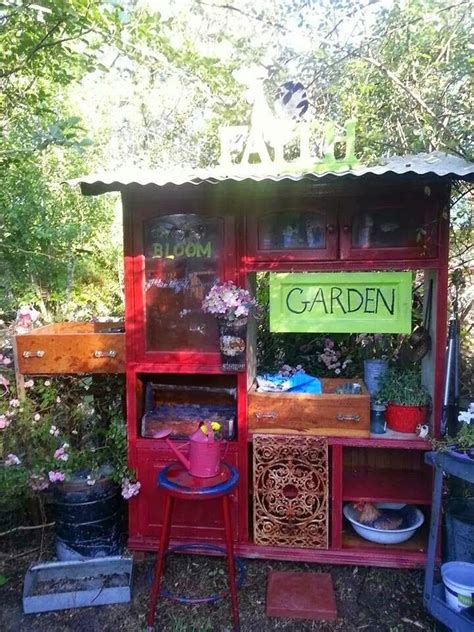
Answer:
(403, 387)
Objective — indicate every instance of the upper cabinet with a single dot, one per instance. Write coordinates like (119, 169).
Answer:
(284, 230)
(369, 228)
(388, 228)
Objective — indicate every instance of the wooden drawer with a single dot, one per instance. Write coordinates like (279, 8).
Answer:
(329, 414)
(72, 348)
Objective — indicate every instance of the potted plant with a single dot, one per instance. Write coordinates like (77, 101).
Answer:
(68, 437)
(406, 398)
(231, 305)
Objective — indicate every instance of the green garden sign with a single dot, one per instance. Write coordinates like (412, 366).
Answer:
(341, 302)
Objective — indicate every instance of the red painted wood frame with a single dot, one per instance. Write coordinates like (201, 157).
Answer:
(148, 455)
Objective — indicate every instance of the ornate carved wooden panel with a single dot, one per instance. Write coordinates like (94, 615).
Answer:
(291, 479)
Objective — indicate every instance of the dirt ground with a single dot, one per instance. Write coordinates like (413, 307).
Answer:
(368, 599)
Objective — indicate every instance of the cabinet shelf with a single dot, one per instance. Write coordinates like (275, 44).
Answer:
(408, 486)
(416, 544)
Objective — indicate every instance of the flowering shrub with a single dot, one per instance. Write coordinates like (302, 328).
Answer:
(229, 302)
(65, 428)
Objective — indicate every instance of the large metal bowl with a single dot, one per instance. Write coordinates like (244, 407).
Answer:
(385, 536)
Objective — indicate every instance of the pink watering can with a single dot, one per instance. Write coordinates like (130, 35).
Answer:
(204, 457)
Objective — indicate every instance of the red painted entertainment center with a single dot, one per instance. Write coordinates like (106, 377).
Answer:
(179, 239)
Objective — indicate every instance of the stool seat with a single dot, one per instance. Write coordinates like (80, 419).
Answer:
(177, 481)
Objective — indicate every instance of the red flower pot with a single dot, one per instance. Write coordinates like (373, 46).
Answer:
(405, 418)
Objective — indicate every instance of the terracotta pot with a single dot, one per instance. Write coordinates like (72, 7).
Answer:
(405, 418)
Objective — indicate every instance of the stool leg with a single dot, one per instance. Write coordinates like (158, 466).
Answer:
(230, 562)
(160, 560)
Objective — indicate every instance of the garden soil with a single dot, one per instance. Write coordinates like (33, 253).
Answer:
(368, 599)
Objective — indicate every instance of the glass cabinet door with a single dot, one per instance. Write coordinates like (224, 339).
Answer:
(182, 253)
(303, 232)
(403, 229)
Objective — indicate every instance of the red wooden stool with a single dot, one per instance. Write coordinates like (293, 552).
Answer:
(176, 482)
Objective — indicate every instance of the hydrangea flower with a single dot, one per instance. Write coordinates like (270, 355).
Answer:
(228, 301)
(130, 488)
(56, 477)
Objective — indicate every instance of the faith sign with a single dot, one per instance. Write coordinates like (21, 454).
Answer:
(341, 302)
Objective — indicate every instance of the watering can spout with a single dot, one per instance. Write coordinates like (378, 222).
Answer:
(186, 462)
(163, 434)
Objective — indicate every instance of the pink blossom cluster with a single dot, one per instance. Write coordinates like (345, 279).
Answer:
(130, 488)
(12, 459)
(55, 476)
(332, 357)
(4, 360)
(61, 454)
(229, 301)
(5, 421)
(26, 317)
(38, 482)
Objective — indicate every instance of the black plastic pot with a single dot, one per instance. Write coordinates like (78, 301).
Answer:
(88, 519)
(460, 530)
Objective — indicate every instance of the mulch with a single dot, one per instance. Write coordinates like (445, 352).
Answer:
(368, 599)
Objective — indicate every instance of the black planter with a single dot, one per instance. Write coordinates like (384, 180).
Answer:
(232, 344)
(88, 519)
(460, 530)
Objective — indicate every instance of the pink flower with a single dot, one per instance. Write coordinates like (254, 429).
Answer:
(12, 459)
(55, 476)
(129, 488)
(38, 482)
(54, 431)
(14, 403)
(61, 454)
(4, 422)
(29, 384)
(6, 361)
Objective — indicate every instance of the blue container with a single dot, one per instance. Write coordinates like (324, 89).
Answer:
(378, 425)
(373, 371)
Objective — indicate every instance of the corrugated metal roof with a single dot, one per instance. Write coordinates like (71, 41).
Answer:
(435, 163)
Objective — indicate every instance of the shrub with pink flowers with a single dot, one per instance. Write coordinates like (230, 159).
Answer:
(65, 428)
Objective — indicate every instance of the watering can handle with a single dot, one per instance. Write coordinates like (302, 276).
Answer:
(210, 431)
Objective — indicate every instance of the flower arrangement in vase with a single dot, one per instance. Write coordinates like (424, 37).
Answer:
(231, 305)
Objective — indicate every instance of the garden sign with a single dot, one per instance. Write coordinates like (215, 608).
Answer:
(341, 302)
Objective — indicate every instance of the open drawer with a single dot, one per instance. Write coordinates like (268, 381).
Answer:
(72, 348)
(330, 413)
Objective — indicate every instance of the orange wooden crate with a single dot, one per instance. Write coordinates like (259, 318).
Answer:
(330, 414)
(72, 348)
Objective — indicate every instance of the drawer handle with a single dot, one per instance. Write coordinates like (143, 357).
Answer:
(348, 417)
(105, 354)
(33, 354)
(269, 415)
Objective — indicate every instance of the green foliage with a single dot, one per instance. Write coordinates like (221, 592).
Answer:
(403, 386)
(464, 439)
(65, 425)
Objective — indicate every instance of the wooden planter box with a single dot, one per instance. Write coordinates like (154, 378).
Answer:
(72, 348)
(330, 414)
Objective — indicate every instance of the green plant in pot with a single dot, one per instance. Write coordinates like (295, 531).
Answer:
(406, 397)
(67, 437)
